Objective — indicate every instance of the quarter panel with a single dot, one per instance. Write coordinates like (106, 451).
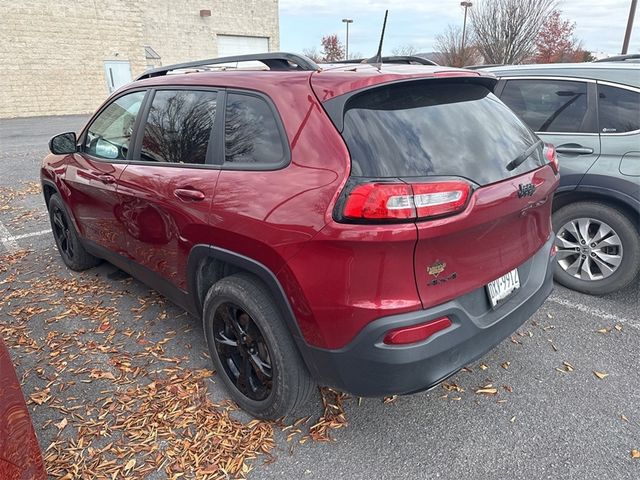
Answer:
(348, 276)
(270, 215)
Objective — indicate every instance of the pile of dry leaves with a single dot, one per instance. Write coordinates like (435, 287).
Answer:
(154, 412)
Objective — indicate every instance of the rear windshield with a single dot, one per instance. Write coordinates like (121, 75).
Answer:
(427, 128)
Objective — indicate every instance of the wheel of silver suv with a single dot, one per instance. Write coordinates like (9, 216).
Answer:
(589, 249)
(598, 248)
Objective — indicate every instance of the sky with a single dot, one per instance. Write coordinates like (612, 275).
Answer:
(599, 24)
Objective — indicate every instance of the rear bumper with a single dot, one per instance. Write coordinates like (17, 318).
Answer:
(367, 367)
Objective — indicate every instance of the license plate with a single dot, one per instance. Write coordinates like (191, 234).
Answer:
(502, 287)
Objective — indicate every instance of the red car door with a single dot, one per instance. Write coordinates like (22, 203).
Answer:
(165, 194)
(93, 173)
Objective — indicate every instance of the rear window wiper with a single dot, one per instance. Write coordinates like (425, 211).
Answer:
(516, 162)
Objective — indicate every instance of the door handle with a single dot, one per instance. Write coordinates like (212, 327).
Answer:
(575, 149)
(107, 179)
(188, 194)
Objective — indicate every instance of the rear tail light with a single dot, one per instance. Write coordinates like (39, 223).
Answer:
(552, 157)
(435, 199)
(404, 201)
(416, 333)
(379, 201)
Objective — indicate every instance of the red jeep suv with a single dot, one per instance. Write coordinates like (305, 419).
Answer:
(371, 227)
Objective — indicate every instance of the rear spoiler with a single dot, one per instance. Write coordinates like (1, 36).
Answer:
(335, 106)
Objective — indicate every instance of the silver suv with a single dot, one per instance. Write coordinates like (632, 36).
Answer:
(591, 113)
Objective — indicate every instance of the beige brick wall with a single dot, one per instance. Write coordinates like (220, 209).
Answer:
(52, 52)
(197, 38)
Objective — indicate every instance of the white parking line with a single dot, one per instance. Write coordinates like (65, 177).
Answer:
(7, 239)
(32, 234)
(10, 242)
(593, 311)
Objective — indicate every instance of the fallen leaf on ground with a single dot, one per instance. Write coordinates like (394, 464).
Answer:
(600, 375)
(566, 367)
(635, 453)
(104, 326)
(61, 424)
(487, 390)
(40, 397)
(452, 387)
(129, 466)
(100, 374)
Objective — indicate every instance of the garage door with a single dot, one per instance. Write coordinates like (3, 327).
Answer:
(229, 45)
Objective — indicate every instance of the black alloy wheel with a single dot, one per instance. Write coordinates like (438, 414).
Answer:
(62, 234)
(69, 244)
(243, 351)
(252, 350)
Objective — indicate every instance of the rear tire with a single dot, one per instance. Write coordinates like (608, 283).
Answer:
(67, 239)
(621, 249)
(252, 350)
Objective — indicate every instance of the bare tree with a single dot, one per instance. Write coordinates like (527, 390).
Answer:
(405, 50)
(313, 54)
(449, 47)
(505, 31)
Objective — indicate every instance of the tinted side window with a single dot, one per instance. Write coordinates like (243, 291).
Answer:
(110, 133)
(179, 126)
(548, 105)
(251, 131)
(618, 109)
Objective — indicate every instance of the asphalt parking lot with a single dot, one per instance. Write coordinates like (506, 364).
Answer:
(110, 368)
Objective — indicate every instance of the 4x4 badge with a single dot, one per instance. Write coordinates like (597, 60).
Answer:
(437, 268)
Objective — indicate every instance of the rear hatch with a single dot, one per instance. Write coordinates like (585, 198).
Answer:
(449, 156)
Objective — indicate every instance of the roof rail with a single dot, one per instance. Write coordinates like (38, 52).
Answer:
(631, 57)
(480, 67)
(402, 59)
(273, 60)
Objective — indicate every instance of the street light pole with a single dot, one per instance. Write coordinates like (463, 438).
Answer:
(347, 21)
(627, 35)
(466, 5)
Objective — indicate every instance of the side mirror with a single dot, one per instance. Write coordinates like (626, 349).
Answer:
(63, 144)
